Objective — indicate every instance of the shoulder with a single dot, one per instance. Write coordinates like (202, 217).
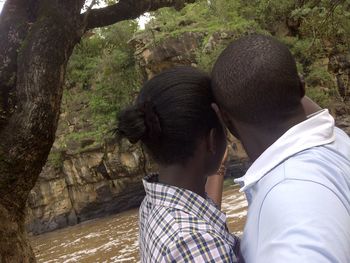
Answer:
(296, 194)
(317, 169)
(306, 216)
(158, 222)
(168, 224)
(341, 135)
(326, 165)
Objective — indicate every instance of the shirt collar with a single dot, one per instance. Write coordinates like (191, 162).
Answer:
(317, 130)
(187, 201)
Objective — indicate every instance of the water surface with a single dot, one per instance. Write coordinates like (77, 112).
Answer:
(114, 238)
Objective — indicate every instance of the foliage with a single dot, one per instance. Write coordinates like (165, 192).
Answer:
(328, 22)
(202, 16)
(102, 71)
(319, 76)
(83, 62)
(117, 79)
(325, 22)
(321, 85)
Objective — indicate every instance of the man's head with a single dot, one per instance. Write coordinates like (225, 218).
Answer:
(255, 81)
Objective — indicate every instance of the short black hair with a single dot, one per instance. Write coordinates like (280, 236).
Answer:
(256, 80)
(172, 111)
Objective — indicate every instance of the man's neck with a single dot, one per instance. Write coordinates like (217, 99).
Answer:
(256, 139)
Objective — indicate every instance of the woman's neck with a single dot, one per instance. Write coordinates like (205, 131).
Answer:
(187, 177)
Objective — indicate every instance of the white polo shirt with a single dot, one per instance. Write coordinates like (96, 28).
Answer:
(298, 192)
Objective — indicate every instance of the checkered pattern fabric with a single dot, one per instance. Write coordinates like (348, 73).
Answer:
(177, 225)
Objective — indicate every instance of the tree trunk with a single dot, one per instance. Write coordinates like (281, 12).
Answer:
(14, 244)
(28, 130)
(37, 38)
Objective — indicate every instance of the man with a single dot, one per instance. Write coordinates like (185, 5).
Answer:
(298, 187)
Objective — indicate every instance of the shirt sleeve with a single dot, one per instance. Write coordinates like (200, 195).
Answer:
(200, 247)
(303, 221)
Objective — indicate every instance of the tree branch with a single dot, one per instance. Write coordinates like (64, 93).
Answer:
(86, 15)
(127, 9)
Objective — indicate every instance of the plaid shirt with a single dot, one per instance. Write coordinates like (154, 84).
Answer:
(177, 225)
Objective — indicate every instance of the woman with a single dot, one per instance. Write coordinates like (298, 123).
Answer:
(173, 119)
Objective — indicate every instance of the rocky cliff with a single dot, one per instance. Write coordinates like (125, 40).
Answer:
(90, 184)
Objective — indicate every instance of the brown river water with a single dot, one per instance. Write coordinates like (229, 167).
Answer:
(114, 238)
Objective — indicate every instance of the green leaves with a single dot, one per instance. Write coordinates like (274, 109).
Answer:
(102, 75)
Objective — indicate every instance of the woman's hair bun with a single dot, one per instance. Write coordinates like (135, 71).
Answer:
(139, 122)
(131, 124)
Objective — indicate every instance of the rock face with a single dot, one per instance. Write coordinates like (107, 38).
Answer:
(156, 57)
(88, 185)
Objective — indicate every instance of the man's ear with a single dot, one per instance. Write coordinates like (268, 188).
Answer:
(302, 85)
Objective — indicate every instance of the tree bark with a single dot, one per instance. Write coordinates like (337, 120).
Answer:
(28, 131)
(13, 29)
(37, 38)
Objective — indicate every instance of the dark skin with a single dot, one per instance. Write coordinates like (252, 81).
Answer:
(189, 176)
(309, 106)
(205, 161)
(257, 138)
(256, 147)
